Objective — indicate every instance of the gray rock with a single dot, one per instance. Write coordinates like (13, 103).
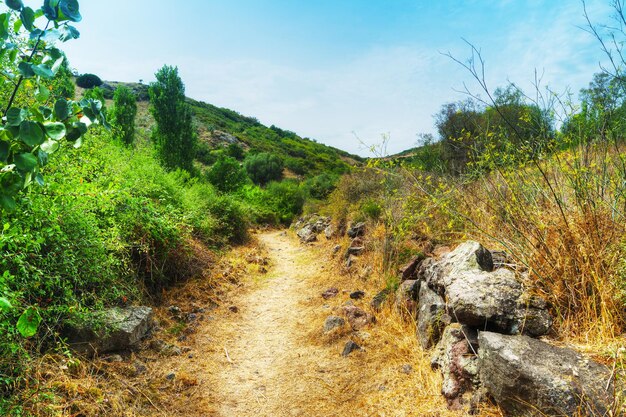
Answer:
(349, 348)
(350, 261)
(379, 299)
(431, 317)
(481, 297)
(332, 323)
(528, 377)
(406, 297)
(307, 234)
(455, 356)
(329, 232)
(110, 330)
(336, 249)
(170, 376)
(356, 230)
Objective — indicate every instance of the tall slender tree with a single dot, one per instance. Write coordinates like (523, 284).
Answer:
(123, 114)
(174, 137)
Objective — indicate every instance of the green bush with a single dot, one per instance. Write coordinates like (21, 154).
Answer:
(123, 115)
(88, 81)
(372, 209)
(321, 186)
(286, 198)
(234, 150)
(227, 174)
(264, 167)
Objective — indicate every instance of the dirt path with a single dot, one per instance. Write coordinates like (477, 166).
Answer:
(272, 372)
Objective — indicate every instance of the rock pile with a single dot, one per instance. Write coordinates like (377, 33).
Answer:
(309, 227)
(483, 325)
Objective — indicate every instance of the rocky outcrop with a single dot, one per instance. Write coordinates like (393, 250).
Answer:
(406, 297)
(474, 307)
(356, 230)
(455, 356)
(431, 317)
(110, 330)
(528, 377)
(308, 228)
(480, 296)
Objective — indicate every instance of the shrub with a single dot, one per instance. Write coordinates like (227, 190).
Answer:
(123, 115)
(227, 174)
(174, 137)
(286, 199)
(234, 150)
(88, 81)
(264, 167)
(321, 186)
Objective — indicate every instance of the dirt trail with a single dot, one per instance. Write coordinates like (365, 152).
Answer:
(273, 372)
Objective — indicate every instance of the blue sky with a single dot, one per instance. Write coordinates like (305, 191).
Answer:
(332, 69)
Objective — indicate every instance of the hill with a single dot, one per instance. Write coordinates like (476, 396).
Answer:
(219, 127)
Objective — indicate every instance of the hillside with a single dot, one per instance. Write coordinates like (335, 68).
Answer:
(218, 127)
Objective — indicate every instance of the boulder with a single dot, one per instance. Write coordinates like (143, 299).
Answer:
(356, 230)
(332, 323)
(349, 348)
(329, 232)
(479, 296)
(455, 356)
(110, 330)
(307, 234)
(431, 317)
(406, 297)
(355, 250)
(357, 295)
(357, 317)
(379, 299)
(528, 377)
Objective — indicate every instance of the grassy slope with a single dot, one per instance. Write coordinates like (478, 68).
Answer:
(302, 155)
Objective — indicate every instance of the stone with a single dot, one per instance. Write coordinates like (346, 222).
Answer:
(332, 323)
(409, 270)
(431, 317)
(349, 348)
(528, 377)
(479, 296)
(165, 348)
(455, 356)
(170, 376)
(139, 368)
(406, 297)
(330, 293)
(358, 318)
(379, 299)
(355, 251)
(406, 369)
(356, 230)
(357, 295)
(329, 232)
(307, 234)
(110, 330)
(350, 261)
(336, 249)
(113, 358)
(233, 309)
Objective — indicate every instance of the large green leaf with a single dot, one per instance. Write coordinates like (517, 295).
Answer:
(26, 69)
(15, 116)
(69, 10)
(26, 162)
(4, 26)
(61, 109)
(31, 133)
(50, 9)
(56, 131)
(27, 16)
(29, 322)
(43, 71)
(50, 146)
(15, 4)
(5, 305)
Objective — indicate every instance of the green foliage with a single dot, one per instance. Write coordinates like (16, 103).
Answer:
(320, 186)
(34, 129)
(286, 198)
(264, 167)
(227, 174)
(88, 81)
(96, 94)
(123, 115)
(372, 209)
(174, 137)
(235, 150)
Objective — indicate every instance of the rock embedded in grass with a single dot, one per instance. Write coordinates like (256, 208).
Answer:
(349, 348)
(332, 323)
(528, 377)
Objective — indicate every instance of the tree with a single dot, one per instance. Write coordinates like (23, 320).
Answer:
(174, 137)
(88, 81)
(264, 167)
(123, 115)
(227, 174)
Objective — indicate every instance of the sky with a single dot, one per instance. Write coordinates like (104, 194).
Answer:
(344, 72)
